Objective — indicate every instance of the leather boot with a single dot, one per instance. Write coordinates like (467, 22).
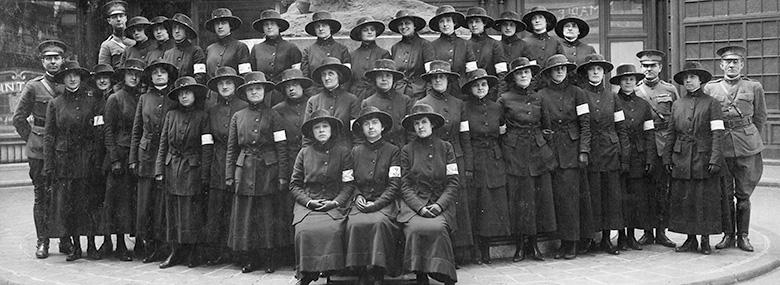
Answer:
(270, 264)
(647, 238)
(743, 242)
(631, 240)
(705, 245)
(121, 249)
(583, 246)
(139, 249)
(743, 225)
(193, 260)
(561, 250)
(621, 242)
(308, 277)
(519, 249)
(42, 248)
(532, 249)
(726, 242)
(606, 244)
(75, 252)
(485, 253)
(571, 250)
(107, 247)
(422, 279)
(65, 245)
(172, 258)
(662, 239)
(690, 245)
(152, 251)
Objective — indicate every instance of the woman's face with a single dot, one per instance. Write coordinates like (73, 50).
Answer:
(321, 131)
(439, 83)
(226, 87)
(255, 93)
(571, 31)
(139, 35)
(423, 127)
(508, 28)
(368, 33)
(595, 74)
(222, 28)
(406, 27)
(160, 33)
(523, 77)
(322, 30)
(330, 78)
(179, 32)
(72, 80)
(480, 88)
(159, 76)
(558, 73)
(372, 129)
(270, 28)
(476, 25)
(384, 81)
(103, 82)
(293, 90)
(131, 78)
(446, 25)
(186, 98)
(691, 82)
(628, 84)
(539, 23)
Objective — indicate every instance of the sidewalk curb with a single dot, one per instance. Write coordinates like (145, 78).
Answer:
(765, 266)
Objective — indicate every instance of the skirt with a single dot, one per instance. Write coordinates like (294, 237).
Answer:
(319, 243)
(184, 218)
(587, 226)
(463, 234)
(428, 248)
(119, 209)
(636, 206)
(531, 206)
(659, 195)
(606, 195)
(283, 219)
(74, 207)
(492, 215)
(696, 206)
(566, 192)
(252, 222)
(220, 203)
(372, 239)
(150, 222)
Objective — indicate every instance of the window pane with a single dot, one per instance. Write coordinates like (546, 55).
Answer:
(625, 52)
(626, 17)
(587, 10)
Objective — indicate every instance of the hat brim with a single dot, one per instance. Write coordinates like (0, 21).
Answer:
(535, 69)
(492, 81)
(58, 43)
(397, 75)
(267, 85)
(488, 21)
(83, 72)
(606, 65)
(120, 73)
(191, 33)
(129, 29)
(149, 31)
(335, 26)
(345, 73)
(303, 81)
(173, 72)
(212, 83)
(283, 24)
(457, 17)
(200, 92)
(704, 76)
(615, 80)
(355, 33)
(387, 122)
(551, 20)
(426, 76)
(581, 24)
(569, 66)
(419, 23)
(520, 25)
(436, 120)
(335, 125)
(234, 21)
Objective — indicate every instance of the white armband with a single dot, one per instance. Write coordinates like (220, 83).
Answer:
(199, 68)
(717, 125)
(452, 169)
(349, 65)
(619, 116)
(648, 125)
(97, 121)
(464, 126)
(206, 139)
(471, 66)
(502, 129)
(428, 66)
(244, 68)
(351, 122)
(347, 175)
(582, 109)
(280, 136)
(501, 67)
(395, 171)
(297, 66)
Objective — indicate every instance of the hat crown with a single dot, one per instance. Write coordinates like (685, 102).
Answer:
(520, 61)
(330, 60)
(363, 20)
(102, 68)
(445, 9)
(368, 110)
(403, 13)
(134, 63)
(474, 74)
(440, 65)
(224, 71)
(221, 12)
(650, 55)
(594, 57)
(556, 59)
(421, 108)
(512, 15)
(292, 73)
(476, 11)
(320, 113)
(158, 20)
(185, 81)
(538, 9)
(625, 68)
(270, 14)
(322, 15)
(52, 46)
(179, 17)
(70, 64)
(138, 20)
(384, 64)
(111, 7)
(688, 65)
(732, 50)
(254, 76)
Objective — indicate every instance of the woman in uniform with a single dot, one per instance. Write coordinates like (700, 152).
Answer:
(147, 127)
(693, 156)
(510, 25)
(256, 166)
(332, 75)
(372, 235)
(184, 161)
(220, 199)
(274, 55)
(161, 33)
(227, 50)
(451, 48)
(429, 185)
(568, 121)
(188, 58)
(74, 131)
(411, 53)
(571, 30)
(322, 183)
(486, 124)
(489, 52)
(366, 31)
(136, 29)
(607, 157)
(323, 26)
(103, 79)
(529, 160)
(382, 76)
(539, 46)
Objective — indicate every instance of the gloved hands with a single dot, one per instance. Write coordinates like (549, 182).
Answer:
(713, 169)
(116, 168)
(583, 158)
(327, 205)
(649, 168)
(668, 168)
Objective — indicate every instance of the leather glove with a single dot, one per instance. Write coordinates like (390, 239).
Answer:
(116, 168)
(424, 212)
(668, 168)
(360, 203)
(229, 182)
(435, 209)
(583, 159)
(649, 167)
(713, 169)
(547, 134)
(327, 206)
(314, 204)
(132, 167)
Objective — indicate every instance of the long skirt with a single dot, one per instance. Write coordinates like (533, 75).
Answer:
(372, 239)
(492, 215)
(696, 206)
(252, 223)
(74, 208)
(428, 247)
(284, 217)
(150, 222)
(636, 203)
(659, 195)
(464, 211)
(606, 193)
(319, 243)
(587, 226)
(119, 209)
(532, 209)
(566, 192)
(220, 203)
(185, 217)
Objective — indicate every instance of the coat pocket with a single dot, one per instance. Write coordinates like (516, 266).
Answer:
(677, 146)
(143, 143)
(540, 141)
(270, 158)
(613, 138)
(574, 134)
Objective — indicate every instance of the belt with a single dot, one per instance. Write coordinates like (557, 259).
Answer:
(177, 152)
(738, 123)
(39, 122)
(563, 125)
(660, 125)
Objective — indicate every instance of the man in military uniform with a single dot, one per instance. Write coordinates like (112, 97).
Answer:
(34, 99)
(112, 49)
(744, 115)
(660, 94)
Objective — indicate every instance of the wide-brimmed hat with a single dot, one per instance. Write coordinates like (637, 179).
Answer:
(384, 65)
(115, 7)
(650, 55)
(595, 59)
(418, 111)
(188, 83)
(509, 16)
(419, 23)
(558, 60)
(222, 14)
(294, 74)
(102, 69)
(156, 21)
(324, 17)
(732, 52)
(695, 68)
(369, 112)
(317, 116)
(355, 33)
(52, 47)
(254, 78)
(270, 15)
(475, 75)
(581, 24)
(173, 72)
(447, 11)
(521, 63)
(479, 12)
(332, 63)
(623, 70)
(137, 22)
(68, 67)
(225, 72)
(185, 21)
(438, 67)
(130, 64)
(551, 19)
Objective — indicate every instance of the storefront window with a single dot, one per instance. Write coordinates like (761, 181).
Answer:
(626, 17)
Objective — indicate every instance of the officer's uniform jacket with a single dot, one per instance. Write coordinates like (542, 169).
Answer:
(147, 127)
(567, 115)
(744, 115)
(219, 120)
(660, 95)
(378, 176)
(34, 99)
(526, 151)
(112, 50)
(429, 175)
(638, 122)
(74, 131)
(485, 121)
(398, 106)
(410, 55)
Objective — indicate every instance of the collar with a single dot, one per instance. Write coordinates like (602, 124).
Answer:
(183, 44)
(326, 41)
(332, 92)
(295, 101)
(696, 93)
(226, 39)
(223, 100)
(389, 94)
(368, 44)
(375, 145)
(479, 37)
(629, 96)
(257, 106)
(449, 37)
(412, 37)
(144, 44)
(510, 39)
(595, 88)
(439, 95)
(326, 145)
(560, 86)
(49, 76)
(571, 43)
(519, 90)
(161, 87)
(542, 36)
(165, 45)
(273, 40)
(731, 80)
(74, 91)
(652, 83)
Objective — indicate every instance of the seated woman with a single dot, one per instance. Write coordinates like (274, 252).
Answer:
(321, 184)
(372, 234)
(429, 188)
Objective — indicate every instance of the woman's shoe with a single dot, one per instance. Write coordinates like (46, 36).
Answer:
(690, 245)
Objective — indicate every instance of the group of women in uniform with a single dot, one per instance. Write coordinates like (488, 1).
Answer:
(409, 160)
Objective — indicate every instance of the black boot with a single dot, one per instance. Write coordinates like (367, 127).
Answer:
(172, 258)
(584, 245)
(307, 278)
(726, 242)
(743, 242)
(519, 249)
(107, 247)
(422, 279)
(606, 244)
(270, 260)
(662, 239)
(631, 240)
(139, 248)
(92, 252)
(561, 250)
(705, 245)
(42, 248)
(690, 245)
(75, 252)
(193, 260)
(121, 249)
(484, 252)
(647, 237)
(743, 225)
(571, 250)
(65, 245)
(532, 249)
(621, 242)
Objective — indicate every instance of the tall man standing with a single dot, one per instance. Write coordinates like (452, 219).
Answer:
(34, 99)
(112, 49)
(744, 115)
(660, 94)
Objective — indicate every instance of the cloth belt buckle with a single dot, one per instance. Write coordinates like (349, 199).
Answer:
(737, 123)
